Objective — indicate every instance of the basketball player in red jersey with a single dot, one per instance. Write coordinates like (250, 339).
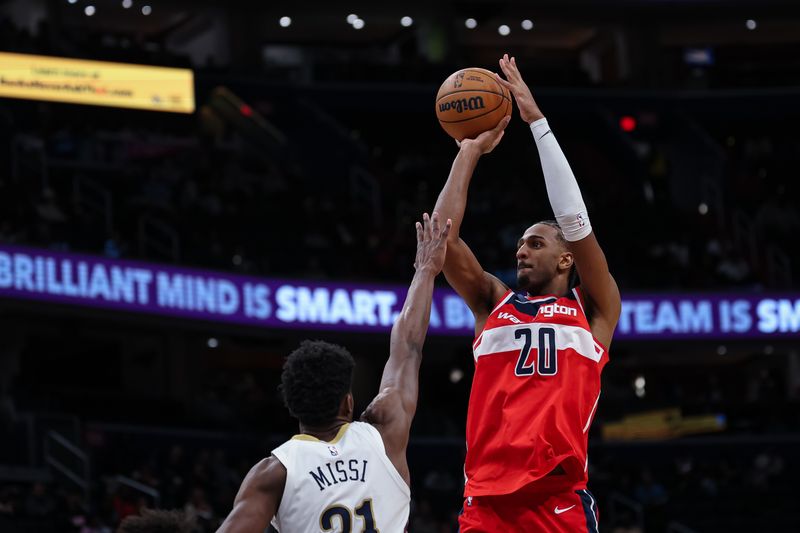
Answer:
(538, 354)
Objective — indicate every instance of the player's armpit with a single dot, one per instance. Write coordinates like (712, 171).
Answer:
(258, 499)
(479, 289)
(391, 414)
(386, 411)
(598, 285)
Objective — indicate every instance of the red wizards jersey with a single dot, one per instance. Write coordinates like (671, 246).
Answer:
(534, 394)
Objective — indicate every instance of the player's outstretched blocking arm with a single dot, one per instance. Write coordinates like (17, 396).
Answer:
(598, 285)
(392, 411)
(258, 499)
(479, 289)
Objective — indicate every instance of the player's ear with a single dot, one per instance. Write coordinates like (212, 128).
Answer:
(348, 404)
(566, 261)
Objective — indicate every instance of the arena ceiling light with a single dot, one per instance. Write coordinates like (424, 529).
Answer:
(504, 30)
(127, 4)
(527, 24)
(639, 386)
(358, 24)
(751, 24)
(72, 1)
(146, 10)
(351, 18)
(285, 22)
(89, 11)
(406, 21)
(471, 23)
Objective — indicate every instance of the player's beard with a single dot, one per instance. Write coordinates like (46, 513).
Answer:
(531, 280)
(523, 280)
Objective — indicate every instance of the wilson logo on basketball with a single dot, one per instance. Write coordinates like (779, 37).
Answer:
(463, 104)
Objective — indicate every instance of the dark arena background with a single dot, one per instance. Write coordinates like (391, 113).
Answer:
(164, 246)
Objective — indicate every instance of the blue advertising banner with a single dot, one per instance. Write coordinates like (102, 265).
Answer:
(73, 279)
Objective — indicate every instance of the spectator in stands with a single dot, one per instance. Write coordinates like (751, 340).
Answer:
(200, 511)
(157, 521)
(766, 466)
(39, 502)
(423, 521)
(124, 503)
(9, 504)
(175, 477)
(650, 492)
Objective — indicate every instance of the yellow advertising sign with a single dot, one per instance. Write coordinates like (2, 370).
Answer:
(78, 81)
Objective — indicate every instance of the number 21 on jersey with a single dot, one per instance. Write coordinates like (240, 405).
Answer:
(546, 361)
(346, 518)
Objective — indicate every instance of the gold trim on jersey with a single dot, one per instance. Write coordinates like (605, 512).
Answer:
(312, 438)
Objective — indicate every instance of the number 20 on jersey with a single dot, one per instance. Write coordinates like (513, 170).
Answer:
(546, 362)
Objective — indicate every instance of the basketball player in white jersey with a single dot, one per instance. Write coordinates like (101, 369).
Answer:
(338, 475)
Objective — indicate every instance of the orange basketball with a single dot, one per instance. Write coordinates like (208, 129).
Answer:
(470, 102)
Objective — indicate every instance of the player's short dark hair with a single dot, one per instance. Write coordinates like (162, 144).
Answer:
(315, 379)
(157, 521)
(574, 280)
(559, 232)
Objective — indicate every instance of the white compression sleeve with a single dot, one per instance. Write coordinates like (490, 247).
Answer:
(562, 188)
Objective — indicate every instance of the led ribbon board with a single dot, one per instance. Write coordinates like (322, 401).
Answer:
(132, 286)
(76, 81)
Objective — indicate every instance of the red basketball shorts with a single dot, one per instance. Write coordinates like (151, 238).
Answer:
(561, 512)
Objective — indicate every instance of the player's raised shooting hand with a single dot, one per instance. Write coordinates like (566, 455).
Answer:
(486, 141)
(528, 109)
(431, 244)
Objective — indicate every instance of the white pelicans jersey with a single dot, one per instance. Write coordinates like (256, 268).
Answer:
(342, 486)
